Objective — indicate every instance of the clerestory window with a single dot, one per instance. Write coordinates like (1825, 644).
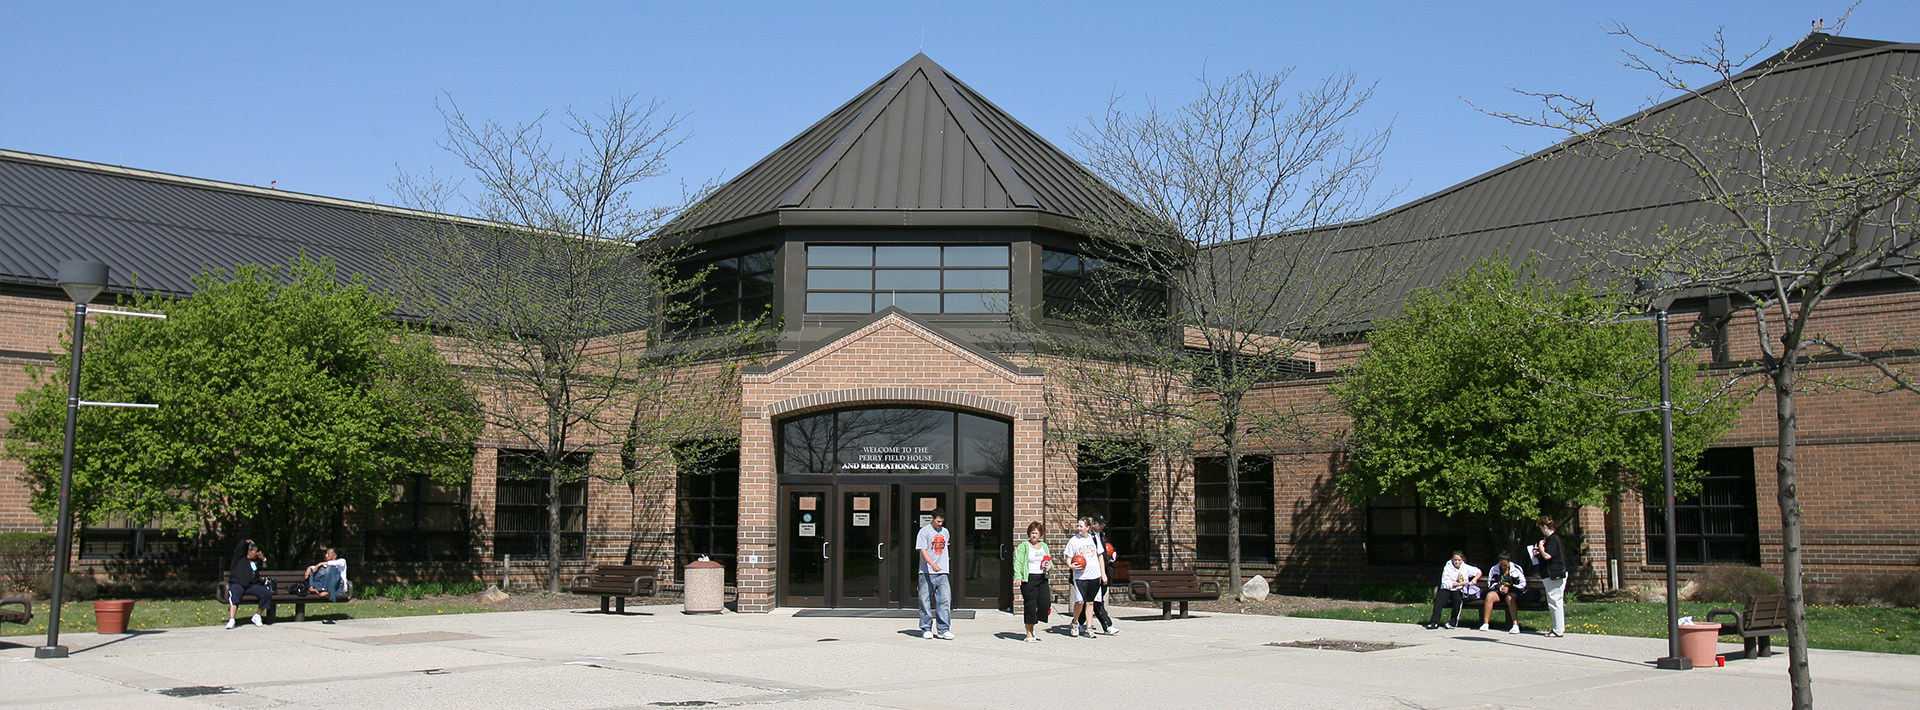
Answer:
(918, 279)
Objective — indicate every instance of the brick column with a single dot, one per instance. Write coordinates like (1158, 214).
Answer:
(758, 515)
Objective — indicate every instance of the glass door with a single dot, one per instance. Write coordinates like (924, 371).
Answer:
(866, 551)
(806, 546)
(917, 503)
(985, 525)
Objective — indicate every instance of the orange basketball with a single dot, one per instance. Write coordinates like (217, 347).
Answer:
(1109, 549)
(1079, 561)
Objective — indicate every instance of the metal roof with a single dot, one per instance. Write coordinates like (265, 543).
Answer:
(1540, 204)
(918, 147)
(159, 231)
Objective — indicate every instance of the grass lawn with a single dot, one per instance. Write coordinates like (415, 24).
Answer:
(171, 613)
(1852, 628)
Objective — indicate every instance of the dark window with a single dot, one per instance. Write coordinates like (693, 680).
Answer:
(897, 440)
(1113, 482)
(708, 514)
(1402, 531)
(738, 288)
(1246, 367)
(130, 540)
(520, 507)
(1210, 508)
(426, 521)
(1722, 524)
(918, 279)
(1085, 288)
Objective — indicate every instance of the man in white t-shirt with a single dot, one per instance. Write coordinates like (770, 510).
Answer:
(936, 594)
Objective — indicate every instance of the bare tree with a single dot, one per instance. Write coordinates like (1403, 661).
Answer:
(568, 310)
(1798, 208)
(1234, 262)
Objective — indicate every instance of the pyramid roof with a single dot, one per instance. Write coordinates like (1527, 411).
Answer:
(917, 148)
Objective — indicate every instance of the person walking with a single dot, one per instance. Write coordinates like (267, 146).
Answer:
(1456, 577)
(1552, 560)
(1089, 575)
(936, 591)
(1030, 562)
(243, 578)
(1104, 547)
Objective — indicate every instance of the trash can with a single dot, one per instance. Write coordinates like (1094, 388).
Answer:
(706, 588)
(1697, 642)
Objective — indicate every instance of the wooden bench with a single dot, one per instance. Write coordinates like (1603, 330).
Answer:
(22, 616)
(1168, 586)
(1766, 615)
(1534, 598)
(289, 587)
(616, 582)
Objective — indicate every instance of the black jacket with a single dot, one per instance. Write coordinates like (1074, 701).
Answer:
(242, 571)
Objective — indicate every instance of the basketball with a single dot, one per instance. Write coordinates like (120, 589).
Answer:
(1079, 561)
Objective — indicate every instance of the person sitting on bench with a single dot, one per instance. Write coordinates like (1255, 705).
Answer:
(1505, 584)
(1457, 582)
(243, 578)
(329, 577)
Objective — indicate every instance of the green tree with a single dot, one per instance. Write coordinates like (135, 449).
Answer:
(285, 396)
(1500, 394)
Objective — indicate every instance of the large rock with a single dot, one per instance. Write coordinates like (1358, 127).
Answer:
(493, 595)
(1255, 589)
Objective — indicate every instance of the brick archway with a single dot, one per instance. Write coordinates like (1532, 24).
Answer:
(834, 399)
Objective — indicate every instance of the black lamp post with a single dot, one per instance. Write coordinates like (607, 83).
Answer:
(83, 281)
(1673, 661)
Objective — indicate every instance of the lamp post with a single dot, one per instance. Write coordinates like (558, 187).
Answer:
(1673, 661)
(83, 281)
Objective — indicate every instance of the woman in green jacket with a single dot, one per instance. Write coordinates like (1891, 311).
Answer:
(1030, 562)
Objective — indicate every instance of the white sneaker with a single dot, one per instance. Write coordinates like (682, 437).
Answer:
(1111, 631)
(257, 621)
(1086, 632)
(1514, 630)
(928, 634)
(229, 623)
(946, 635)
(1033, 639)
(1448, 626)
(1484, 627)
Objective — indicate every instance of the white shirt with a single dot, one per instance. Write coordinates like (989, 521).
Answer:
(1083, 545)
(1451, 577)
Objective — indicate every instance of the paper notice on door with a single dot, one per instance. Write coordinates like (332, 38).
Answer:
(806, 529)
(983, 505)
(861, 520)
(929, 503)
(808, 502)
(983, 522)
(862, 503)
(926, 520)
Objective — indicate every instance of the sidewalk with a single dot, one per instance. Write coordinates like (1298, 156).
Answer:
(660, 658)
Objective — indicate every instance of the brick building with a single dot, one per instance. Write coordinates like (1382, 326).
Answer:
(891, 240)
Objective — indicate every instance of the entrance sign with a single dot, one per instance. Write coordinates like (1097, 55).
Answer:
(983, 522)
(861, 520)
(807, 529)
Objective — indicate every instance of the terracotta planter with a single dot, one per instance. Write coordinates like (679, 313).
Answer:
(110, 617)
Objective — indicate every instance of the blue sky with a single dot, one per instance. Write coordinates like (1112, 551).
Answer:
(335, 98)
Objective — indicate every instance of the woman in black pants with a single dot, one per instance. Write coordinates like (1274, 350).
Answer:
(1030, 563)
(244, 578)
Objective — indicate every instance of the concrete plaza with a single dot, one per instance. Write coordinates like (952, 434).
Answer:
(661, 658)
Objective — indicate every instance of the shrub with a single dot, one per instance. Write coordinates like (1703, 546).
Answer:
(1867, 589)
(26, 561)
(1732, 583)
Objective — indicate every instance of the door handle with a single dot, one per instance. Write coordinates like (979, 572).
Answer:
(880, 550)
(823, 549)
(1003, 550)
